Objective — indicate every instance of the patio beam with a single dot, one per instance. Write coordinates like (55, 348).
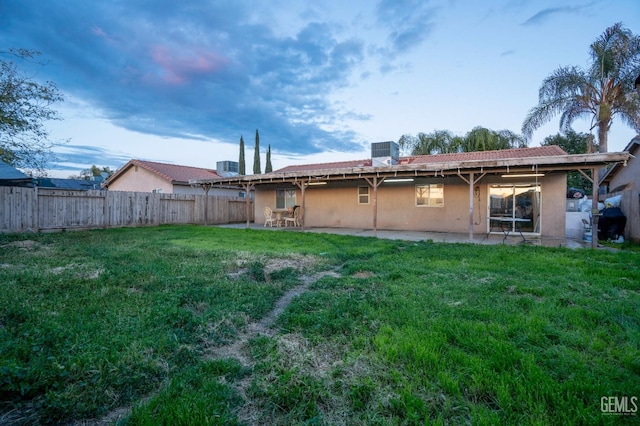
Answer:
(589, 178)
(543, 164)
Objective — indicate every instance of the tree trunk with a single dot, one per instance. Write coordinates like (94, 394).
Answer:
(603, 130)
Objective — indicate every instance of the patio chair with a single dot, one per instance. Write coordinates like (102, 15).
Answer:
(293, 219)
(268, 217)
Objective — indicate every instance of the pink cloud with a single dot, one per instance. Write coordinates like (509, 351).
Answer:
(180, 67)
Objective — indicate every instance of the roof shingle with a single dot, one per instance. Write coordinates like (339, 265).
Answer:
(540, 151)
(174, 173)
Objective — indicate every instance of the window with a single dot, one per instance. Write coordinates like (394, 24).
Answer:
(430, 195)
(521, 202)
(363, 195)
(285, 198)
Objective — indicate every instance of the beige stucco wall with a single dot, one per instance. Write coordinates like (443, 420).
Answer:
(138, 179)
(629, 175)
(336, 205)
(142, 180)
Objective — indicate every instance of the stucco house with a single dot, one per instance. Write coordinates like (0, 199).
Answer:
(68, 184)
(475, 192)
(151, 176)
(625, 182)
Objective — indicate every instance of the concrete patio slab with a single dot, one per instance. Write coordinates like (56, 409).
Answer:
(446, 237)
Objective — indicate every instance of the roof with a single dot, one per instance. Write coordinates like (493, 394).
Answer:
(72, 184)
(174, 173)
(11, 176)
(521, 160)
(540, 151)
(632, 148)
(10, 172)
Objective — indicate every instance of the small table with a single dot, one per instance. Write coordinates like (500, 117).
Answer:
(517, 221)
(279, 213)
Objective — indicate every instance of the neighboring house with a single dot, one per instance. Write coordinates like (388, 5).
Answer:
(150, 176)
(625, 182)
(10, 176)
(519, 188)
(68, 184)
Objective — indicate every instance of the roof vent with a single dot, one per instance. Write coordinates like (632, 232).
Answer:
(227, 168)
(384, 154)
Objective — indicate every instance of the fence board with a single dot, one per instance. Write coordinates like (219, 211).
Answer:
(48, 209)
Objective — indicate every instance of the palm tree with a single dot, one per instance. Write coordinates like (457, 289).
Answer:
(444, 142)
(602, 91)
(438, 142)
(483, 139)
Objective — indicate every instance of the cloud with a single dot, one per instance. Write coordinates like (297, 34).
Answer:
(198, 70)
(546, 14)
(409, 22)
(72, 157)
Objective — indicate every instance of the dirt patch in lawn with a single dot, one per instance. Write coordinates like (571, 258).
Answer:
(239, 351)
(294, 261)
(363, 274)
(79, 270)
(26, 245)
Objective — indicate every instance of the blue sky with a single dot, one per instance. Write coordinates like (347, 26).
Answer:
(181, 81)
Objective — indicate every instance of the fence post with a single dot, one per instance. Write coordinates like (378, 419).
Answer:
(36, 210)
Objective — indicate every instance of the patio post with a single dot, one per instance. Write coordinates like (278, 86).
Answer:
(302, 185)
(374, 184)
(206, 187)
(595, 186)
(471, 182)
(247, 201)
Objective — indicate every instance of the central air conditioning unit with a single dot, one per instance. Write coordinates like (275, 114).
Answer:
(384, 154)
(227, 168)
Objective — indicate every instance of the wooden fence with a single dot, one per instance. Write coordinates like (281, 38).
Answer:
(43, 209)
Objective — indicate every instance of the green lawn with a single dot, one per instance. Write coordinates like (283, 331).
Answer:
(175, 325)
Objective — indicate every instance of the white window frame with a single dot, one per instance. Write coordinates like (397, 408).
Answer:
(434, 195)
(363, 197)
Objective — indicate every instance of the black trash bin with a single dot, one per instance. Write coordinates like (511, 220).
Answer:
(611, 223)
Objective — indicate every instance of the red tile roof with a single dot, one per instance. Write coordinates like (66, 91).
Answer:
(541, 151)
(174, 173)
(324, 166)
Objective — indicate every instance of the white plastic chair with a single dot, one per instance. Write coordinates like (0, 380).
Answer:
(293, 219)
(268, 217)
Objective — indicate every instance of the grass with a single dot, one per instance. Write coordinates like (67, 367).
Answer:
(93, 323)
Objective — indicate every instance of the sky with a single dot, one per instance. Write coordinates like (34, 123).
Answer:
(181, 81)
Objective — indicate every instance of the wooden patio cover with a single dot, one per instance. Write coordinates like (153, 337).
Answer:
(470, 171)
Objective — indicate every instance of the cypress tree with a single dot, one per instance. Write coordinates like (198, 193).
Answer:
(241, 165)
(268, 168)
(256, 156)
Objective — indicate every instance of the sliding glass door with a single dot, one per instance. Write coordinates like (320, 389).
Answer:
(519, 202)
